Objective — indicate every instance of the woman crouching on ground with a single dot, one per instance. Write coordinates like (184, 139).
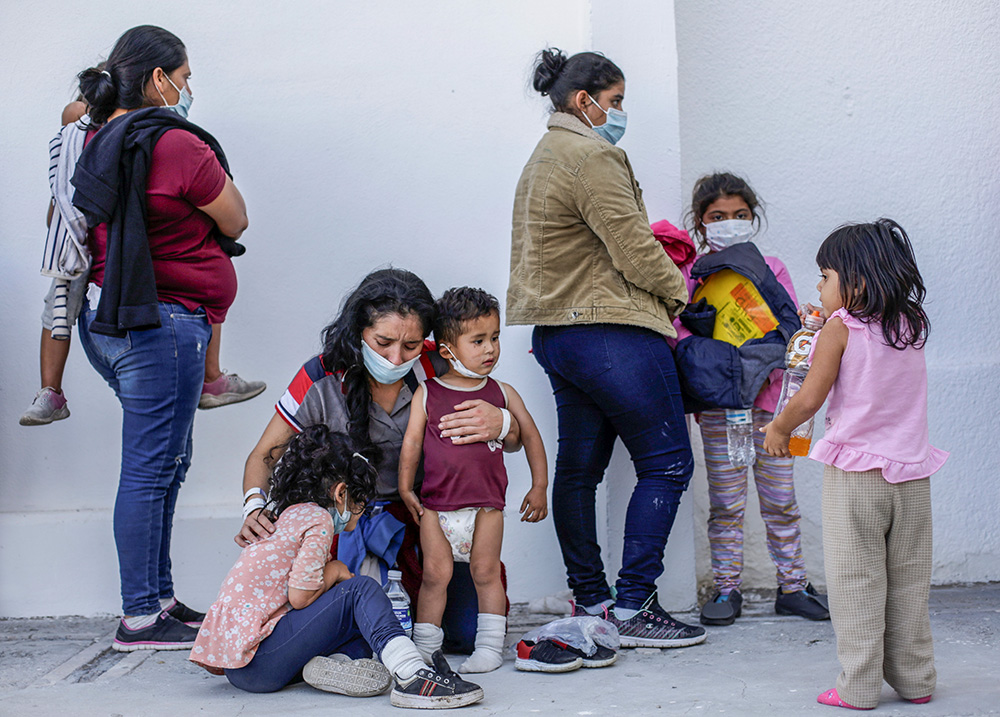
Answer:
(287, 612)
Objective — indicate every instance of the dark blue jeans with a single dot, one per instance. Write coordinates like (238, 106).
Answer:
(351, 618)
(613, 381)
(157, 376)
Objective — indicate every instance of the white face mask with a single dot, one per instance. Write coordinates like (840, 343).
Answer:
(382, 369)
(461, 369)
(720, 235)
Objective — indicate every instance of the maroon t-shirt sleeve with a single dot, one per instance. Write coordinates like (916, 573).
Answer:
(188, 168)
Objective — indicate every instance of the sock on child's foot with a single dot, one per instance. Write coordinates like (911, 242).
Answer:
(830, 697)
(401, 658)
(428, 638)
(488, 655)
(167, 603)
(624, 613)
(137, 622)
(600, 608)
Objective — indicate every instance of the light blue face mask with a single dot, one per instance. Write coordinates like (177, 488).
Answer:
(613, 127)
(340, 520)
(184, 101)
(382, 369)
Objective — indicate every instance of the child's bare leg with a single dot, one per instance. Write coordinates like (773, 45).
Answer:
(438, 565)
(52, 355)
(484, 564)
(213, 369)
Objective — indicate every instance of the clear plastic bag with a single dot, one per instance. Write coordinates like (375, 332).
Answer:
(583, 633)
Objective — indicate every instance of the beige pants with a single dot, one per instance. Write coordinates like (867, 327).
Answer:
(877, 546)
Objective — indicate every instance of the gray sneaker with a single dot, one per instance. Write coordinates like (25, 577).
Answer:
(652, 626)
(229, 388)
(363, 677)
(47, 407)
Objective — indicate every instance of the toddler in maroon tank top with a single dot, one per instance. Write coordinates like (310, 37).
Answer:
(460, 507)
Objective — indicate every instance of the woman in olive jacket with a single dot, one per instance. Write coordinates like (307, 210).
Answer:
(587, 272)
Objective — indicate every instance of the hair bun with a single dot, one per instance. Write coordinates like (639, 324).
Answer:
(548, 67)
(98, 89)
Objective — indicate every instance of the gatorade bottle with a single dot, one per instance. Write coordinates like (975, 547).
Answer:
(400, 601)
(796, 368)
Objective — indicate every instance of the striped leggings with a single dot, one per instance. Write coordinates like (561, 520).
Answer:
(727, 492)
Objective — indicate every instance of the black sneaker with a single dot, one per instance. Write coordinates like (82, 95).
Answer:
(547, 656)
(805, 603)
(167, 633)
(602, 657)
(180, 611)
(652, 626)
(722, 609)
(435, 689)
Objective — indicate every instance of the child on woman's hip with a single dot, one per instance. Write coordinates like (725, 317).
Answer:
(876, 491)
(460, 507)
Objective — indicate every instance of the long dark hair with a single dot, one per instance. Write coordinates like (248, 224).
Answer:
(557, 77)
(123, 79)
(715, 186)
(384, 291)
(315, 461)
(879, 279)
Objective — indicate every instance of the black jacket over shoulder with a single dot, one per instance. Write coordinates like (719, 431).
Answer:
(110, 181)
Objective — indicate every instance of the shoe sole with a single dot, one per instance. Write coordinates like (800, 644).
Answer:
(721, 621)
(444, 702)
(528, 665)
(209, 400)
(133, 646)
(786, 611)
(57, 415)
(628, 641)
(355, 678)
(590, 664)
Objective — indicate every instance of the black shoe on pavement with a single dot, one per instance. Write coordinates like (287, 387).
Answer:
(435, 689)
(602, 657)
(805, 603)
(547, 656)
(722, 609)
(180, 611)
(167, 633)
(652, 626)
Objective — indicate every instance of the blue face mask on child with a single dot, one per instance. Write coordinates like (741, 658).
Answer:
(613, 127)
(340, 520)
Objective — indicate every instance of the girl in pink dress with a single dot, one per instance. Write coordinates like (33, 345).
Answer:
(876, 489)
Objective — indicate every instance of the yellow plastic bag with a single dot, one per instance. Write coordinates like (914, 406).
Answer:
(741, 312)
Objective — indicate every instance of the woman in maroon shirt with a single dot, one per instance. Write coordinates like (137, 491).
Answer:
(157, 373)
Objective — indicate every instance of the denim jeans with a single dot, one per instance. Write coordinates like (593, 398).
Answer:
(613, 381)
(351, 618)
(157, 376)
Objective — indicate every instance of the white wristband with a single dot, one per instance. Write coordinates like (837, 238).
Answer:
(252, 505)
(254, 491)
(505, 426)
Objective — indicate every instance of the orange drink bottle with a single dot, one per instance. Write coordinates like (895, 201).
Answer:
(796, 368)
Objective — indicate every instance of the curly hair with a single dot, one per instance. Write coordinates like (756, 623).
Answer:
(458, 305)
(312, 464)
(382, 292)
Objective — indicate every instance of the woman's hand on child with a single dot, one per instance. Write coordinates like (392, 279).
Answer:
(535, 506)
(775, 442)
(473, 421)
(256, 527)
(412, 502)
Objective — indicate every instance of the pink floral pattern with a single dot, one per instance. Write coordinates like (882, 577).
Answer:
(254, 595)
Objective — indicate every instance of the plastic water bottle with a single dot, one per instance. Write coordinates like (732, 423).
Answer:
(796, 368)
(400, 601)
(739, 437)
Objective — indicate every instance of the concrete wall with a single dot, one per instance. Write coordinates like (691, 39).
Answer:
(849, 111)
(360, 134)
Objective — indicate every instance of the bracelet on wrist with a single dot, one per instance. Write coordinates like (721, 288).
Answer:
(505, 426)
(254, 503)
(252, 492)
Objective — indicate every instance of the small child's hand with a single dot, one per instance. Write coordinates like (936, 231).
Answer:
(535, 506)
(775, 442)
(807, 309)
(412, 502)
(336, 572)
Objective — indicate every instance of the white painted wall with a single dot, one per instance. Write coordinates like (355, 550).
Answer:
(360, 134)
(849, 111)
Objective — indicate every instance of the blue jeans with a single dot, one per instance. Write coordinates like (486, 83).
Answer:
(351, 618)
(157, 376)
(613, 381)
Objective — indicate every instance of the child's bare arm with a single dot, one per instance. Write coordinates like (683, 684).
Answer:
(333, 572)
(409, 455)
(535, 505)
(830, 345)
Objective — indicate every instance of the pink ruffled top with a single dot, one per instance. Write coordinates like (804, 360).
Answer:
(877, 411)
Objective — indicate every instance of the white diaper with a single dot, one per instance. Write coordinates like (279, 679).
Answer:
(458, 527)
